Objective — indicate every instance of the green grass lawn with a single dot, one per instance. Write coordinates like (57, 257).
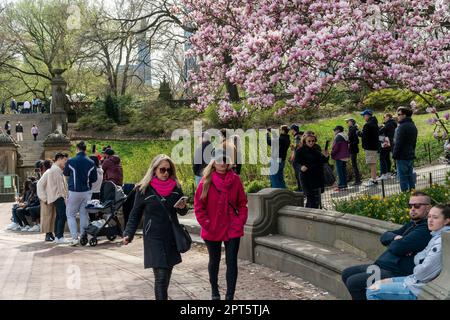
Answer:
(137, 155)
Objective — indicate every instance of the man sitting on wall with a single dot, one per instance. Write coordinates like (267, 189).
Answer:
(402, 245)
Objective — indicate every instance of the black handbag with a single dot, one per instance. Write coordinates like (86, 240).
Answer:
(183, 239)
(329, 178)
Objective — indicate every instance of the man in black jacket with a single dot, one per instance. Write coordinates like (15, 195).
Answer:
(370, 144)
(201, 160)
(353, 140)
(277, 165)
(387, 131)
(405, 140)
(19, 131)
(402, 245)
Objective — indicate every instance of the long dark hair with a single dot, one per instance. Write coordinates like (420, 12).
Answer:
(445, 210)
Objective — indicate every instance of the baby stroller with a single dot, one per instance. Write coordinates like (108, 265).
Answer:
(107, 224)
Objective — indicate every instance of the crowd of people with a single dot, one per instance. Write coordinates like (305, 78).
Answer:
(34, 130)
(34, 106)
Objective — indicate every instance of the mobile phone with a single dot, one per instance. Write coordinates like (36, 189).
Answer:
(326, 144)
(180, 200)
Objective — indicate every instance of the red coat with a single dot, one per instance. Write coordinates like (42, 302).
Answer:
(215, 214)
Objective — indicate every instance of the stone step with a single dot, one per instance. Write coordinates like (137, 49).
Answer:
(317, 263)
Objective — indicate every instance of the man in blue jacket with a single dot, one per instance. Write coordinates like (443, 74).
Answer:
(81, 173)
(402, 245)
(405, 139)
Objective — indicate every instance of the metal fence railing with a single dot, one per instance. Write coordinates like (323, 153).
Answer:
(385, 188)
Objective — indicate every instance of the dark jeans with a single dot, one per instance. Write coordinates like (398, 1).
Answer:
(277, 179)
(33, 212)
(231, 253)
(14, 214)
(406, 175)
(61, 217)
(385, 161)
(354, 158)
(162, 281)
(297, 175)
(355, 279)
(35, 136)
(341, 168)
(313, 198)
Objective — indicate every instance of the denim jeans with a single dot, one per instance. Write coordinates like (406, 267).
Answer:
(61, 217)
(341, 168)
(406, 174)
(391, 291)
(277, 174)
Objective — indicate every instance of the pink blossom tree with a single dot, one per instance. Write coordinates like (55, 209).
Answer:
(303, 48)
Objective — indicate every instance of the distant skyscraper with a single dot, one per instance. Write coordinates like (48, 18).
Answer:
(189, 62)
(144, 66)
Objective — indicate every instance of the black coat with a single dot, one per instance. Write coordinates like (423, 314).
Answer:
(198, 167)
(369, 135)
(313, 159)
(388, 130)
(399, 256)
(19, 128)
(284, 142)
(160, 250)
(405, 140)
(353, 139)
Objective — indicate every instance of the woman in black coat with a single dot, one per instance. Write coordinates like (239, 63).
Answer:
(156, 196)
(311, 162)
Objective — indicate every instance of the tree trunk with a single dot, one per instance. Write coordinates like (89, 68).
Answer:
(232, 89)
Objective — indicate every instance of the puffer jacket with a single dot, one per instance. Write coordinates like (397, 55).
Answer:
(428, 263)
(223, 214)
(340, 149)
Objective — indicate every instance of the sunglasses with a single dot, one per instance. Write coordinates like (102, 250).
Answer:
(399, 114)
(417, 205)
(164, 170)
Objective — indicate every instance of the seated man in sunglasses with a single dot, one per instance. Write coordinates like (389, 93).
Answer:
(402, 245)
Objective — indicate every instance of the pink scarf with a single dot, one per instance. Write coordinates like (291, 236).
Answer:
(163, 188)
(222, 181)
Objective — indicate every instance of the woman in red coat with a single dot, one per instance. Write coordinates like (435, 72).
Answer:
(220, 206)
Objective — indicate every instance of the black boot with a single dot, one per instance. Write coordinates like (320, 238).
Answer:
(215, 295)
(49, 237)
(161, 283)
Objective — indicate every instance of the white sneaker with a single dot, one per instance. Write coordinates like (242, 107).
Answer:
(35, 228)
(371, 183)
(384, 176)
(62, 240)
(12, 226)
(74, 242)
(17, 228)
(25, 229)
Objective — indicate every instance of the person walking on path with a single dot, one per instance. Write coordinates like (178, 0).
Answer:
(34, 105)
(387, 131)
(370, 144)
(311, 161)
(13, 106)
(52, 190)
(34, 131)
(220, 206)
(277, 164)
(82, 174)
(112, 169)
(3, 110)
(340, 153)
(19, 131)
(155, 197)
(405, 140)
(353, 140)
(8, 128)
(402, 245)
(428, 263)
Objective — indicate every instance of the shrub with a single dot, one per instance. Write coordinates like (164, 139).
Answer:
(394, 208)
(255, 185)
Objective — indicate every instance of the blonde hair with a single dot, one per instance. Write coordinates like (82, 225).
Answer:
(144, 183)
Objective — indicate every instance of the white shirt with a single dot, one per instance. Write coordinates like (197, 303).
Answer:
(26, 105)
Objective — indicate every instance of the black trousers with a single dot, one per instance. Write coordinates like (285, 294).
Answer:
(356, 173)
(385, 161)
(355, 279)
(162, 281)
(231, 253)
(313, 198)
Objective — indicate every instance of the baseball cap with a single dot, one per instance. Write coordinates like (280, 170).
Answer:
(367, 111)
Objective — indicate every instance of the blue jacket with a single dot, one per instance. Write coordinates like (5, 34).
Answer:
(399, 256)
(82, 173)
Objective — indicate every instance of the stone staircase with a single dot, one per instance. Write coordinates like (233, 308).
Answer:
(30, 150)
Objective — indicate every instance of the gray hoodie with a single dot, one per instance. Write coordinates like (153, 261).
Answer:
(428, 263)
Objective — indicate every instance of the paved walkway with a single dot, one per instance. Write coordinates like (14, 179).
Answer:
(32, 269)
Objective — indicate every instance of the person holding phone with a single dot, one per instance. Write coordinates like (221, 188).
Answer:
(220, 206)
(156, 198)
